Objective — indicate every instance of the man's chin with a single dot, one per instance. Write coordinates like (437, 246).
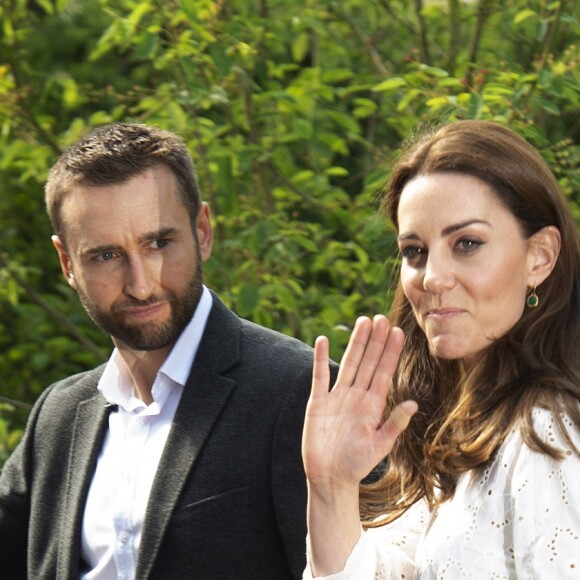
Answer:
(145, 341)
(145, 345)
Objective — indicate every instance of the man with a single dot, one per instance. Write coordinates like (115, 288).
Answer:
(179, 458)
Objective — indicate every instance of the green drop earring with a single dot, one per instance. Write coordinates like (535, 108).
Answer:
(532, 300)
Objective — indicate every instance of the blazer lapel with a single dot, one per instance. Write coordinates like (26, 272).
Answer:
(89, 427)
(204, 396)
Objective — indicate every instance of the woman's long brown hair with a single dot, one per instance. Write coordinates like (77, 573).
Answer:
(465, 416)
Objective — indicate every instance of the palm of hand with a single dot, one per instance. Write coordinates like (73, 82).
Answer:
(344, 433)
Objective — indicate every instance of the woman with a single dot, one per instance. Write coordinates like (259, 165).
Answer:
(485, 480)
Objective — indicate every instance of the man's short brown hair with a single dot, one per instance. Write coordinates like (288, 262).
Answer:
(113, 154)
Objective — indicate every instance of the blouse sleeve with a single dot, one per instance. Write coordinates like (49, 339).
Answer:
(546, 506)
(386, 552)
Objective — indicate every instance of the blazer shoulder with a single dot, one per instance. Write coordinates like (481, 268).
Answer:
(79, 381)
(274, 340)
(69, 391)
(279, 347)
(229, 339)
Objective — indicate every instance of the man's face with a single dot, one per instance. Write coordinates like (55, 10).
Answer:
(133, 258)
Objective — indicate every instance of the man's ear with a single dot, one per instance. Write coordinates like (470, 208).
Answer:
(65, 262)
(204, 231)
(543, 253)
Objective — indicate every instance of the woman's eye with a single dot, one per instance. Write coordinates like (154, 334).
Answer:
(410, 253)
(468, 245)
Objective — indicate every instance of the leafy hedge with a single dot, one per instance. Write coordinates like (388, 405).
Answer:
(293, 112)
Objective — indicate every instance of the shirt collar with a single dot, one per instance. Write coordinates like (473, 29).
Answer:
(115, 383)
(177, 365)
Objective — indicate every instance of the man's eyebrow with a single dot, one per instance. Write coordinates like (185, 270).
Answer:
(165, 232)
(445, 231)
(148, 237)
(95, 251)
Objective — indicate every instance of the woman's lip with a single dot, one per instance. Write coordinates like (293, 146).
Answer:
(444, 312)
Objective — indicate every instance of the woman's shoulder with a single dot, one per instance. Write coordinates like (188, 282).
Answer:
(525, 459)
(522, 462)
(556, 429)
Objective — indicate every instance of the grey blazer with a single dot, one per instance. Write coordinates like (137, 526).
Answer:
(229, 497)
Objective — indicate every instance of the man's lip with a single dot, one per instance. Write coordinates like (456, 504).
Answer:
(142, 311)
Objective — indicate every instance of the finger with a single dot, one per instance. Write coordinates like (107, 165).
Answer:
(373, 352)
(398, 420)
(354, 352)
(320, 368)
(387, 364)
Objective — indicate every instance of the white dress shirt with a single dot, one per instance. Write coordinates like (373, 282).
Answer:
(519, 519)
(126, 467)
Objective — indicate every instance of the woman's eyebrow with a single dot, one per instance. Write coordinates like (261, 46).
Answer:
(456, 227)
(446, 231)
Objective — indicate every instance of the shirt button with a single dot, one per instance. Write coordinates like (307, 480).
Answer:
(123, 536)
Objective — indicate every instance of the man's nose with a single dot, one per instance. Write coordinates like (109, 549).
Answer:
(140, 279)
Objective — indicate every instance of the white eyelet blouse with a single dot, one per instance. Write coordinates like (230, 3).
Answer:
(519, 519)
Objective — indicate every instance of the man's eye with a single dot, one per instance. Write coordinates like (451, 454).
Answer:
(106, 256)
(159, 244)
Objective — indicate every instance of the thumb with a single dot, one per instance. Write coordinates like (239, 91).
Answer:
(399, 419)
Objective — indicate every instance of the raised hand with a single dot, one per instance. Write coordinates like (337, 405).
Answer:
(344, 434)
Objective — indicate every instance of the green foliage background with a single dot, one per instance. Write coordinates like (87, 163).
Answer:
(293, 112)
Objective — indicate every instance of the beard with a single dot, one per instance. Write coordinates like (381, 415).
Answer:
(151, 335)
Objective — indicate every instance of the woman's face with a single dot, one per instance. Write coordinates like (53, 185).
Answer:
(466, 265)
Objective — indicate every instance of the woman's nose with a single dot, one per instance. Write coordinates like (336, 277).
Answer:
(438, 276)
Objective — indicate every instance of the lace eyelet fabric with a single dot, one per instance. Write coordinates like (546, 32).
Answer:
(518, 519)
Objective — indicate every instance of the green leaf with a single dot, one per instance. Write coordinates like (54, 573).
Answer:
(523, 15)
(8, 30)
(434, 71)
(390, 84)
(541, 29)
(302, 176)
(364, 108)
(147, 45)
(300, 46)
(247, 299)
(408, 97)
(437, 103)
(190, 7)
(137, 14)
(336, 171)
(303, 128)
(46, 5)
(178, 116)
(70, 93)
(547, 105)
(337, 75)
(475, 104)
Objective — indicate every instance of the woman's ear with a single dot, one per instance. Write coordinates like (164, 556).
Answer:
(543, 252)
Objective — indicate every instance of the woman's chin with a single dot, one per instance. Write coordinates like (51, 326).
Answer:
(446, 351)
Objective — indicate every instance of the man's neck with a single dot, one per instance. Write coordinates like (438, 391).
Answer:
(143, 367)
